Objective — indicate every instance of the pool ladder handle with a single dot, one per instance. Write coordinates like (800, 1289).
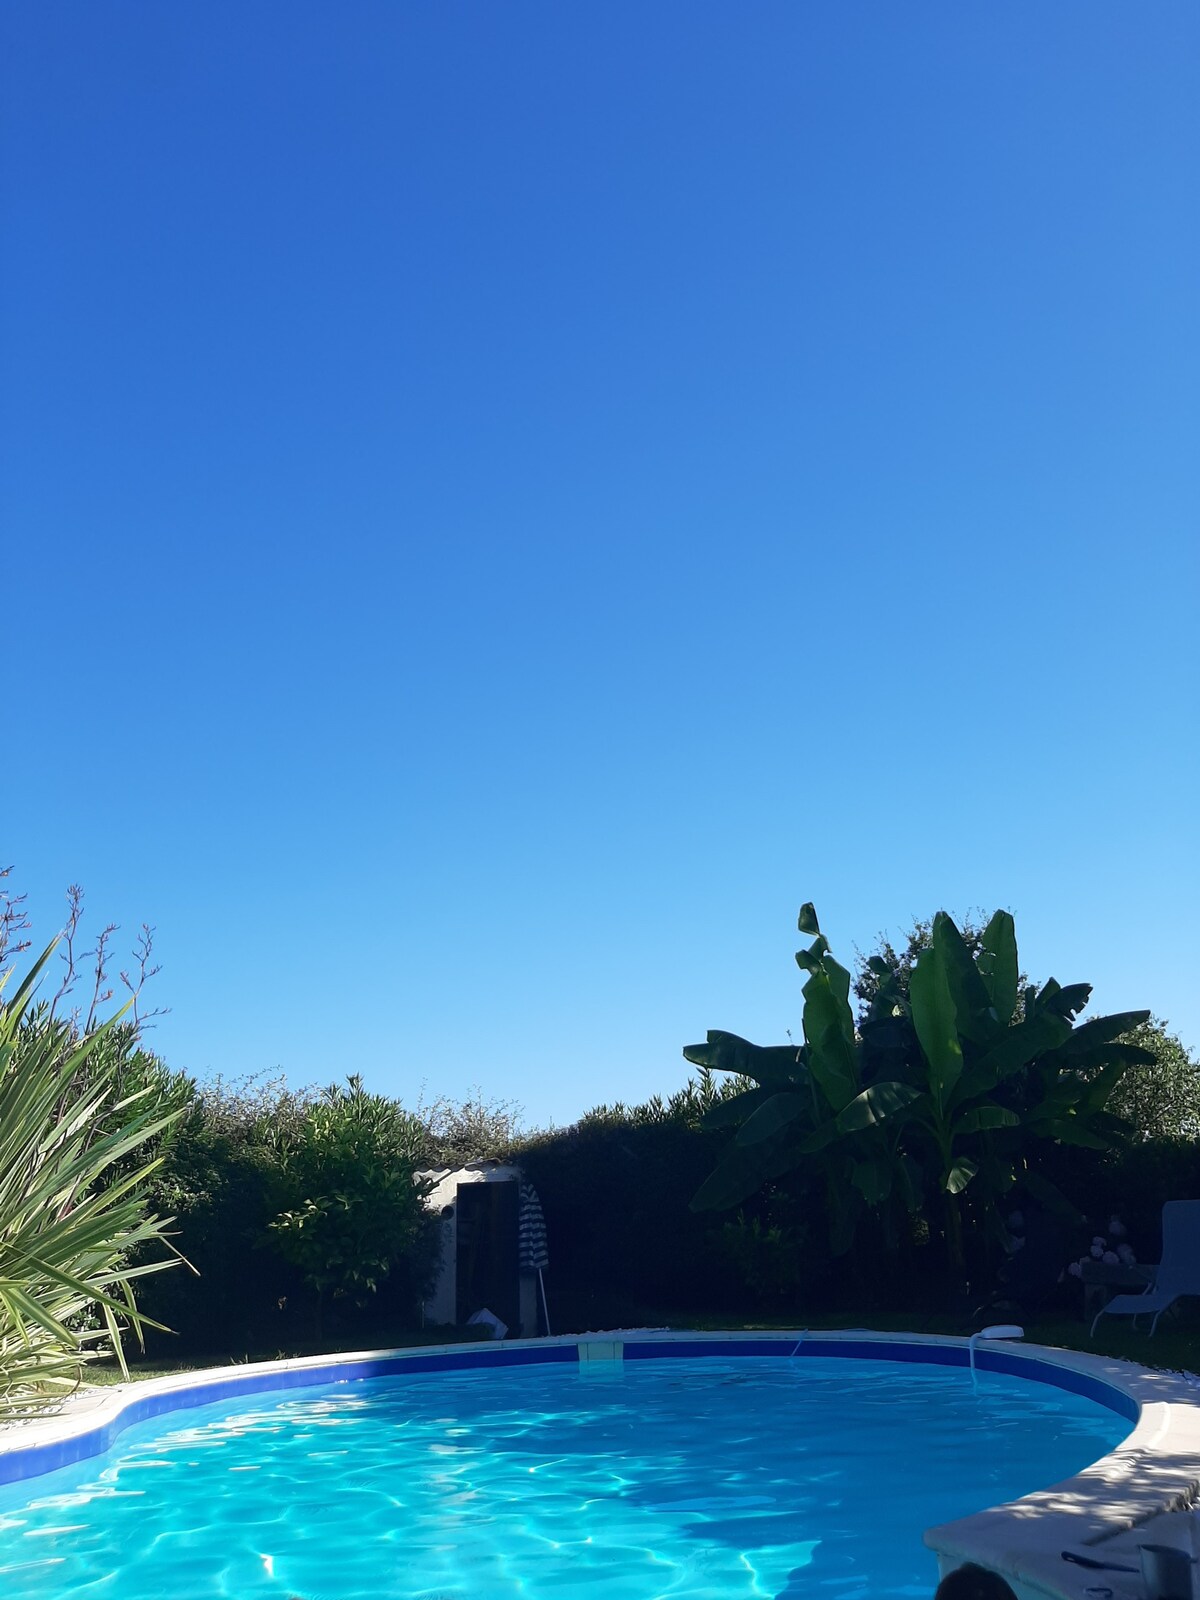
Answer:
(999, 1330)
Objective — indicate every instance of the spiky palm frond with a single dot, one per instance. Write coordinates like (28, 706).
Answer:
(73, 1219)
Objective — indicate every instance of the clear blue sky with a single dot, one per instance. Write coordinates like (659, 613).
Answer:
(503, 502)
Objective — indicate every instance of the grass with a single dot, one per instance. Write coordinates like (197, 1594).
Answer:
(1174, 1347)
(108, 1371)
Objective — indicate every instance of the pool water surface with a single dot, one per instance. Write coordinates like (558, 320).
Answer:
(745, 1479)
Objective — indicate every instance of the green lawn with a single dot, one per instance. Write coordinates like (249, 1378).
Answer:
(1175, 1346)
(140, 1367)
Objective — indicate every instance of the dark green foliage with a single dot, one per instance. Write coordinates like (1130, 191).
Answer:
(353, 1212)
(769, 1258)
(938, 1103)
(959, 1091)
(624, 1244)
(1159, 1099)
(287, 1200)
(140, 1077)
(223, 1185)
(1132, 1182)
(615, 1187)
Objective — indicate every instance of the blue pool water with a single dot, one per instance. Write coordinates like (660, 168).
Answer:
(755, 1479)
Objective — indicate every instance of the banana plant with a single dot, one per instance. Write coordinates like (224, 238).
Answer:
(811, 1105)
(998, 1070)
(946, 1086)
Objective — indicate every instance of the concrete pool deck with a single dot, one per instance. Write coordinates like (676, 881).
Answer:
(1139, 1492)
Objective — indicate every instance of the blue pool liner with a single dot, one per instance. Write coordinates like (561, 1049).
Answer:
(34, 1460)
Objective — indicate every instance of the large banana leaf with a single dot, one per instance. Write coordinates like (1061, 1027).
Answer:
(1100, 1030)
(982, 1118)
(998, 966)
(1101, 1056)
(773, 1116)
(1015, 1048)
(809, 960)
(735, 1109)
(771, 1065)
(960, 1174)
(742, 1172)
(1066, 1002)
(935, 1018)
(874, 1105)
(974, 1014)
(1070, 1130)
(829, 1033)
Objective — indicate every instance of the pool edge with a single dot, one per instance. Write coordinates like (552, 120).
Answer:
(1152, 1473)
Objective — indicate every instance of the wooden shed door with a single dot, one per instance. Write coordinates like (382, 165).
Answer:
(486, 1249)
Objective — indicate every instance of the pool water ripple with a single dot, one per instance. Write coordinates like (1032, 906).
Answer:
(682, 1479)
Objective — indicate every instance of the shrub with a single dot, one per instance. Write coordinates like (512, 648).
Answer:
(290, 1202)
(222, 1182)
(615, 1188)
(474, 1129)
(353, 1211)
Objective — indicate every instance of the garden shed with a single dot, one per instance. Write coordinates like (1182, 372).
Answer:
(493, 1248)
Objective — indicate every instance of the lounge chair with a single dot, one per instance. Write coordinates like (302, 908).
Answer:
(1177, 1274)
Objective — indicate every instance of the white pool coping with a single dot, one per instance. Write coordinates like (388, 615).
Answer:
(1135, 1493)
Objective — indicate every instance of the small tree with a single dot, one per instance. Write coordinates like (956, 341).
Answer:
(1160, 1099)
(354, 1208)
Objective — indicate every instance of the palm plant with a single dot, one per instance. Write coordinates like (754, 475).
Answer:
(73, 1219)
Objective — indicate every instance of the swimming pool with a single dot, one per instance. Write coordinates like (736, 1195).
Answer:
(690, 1476)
